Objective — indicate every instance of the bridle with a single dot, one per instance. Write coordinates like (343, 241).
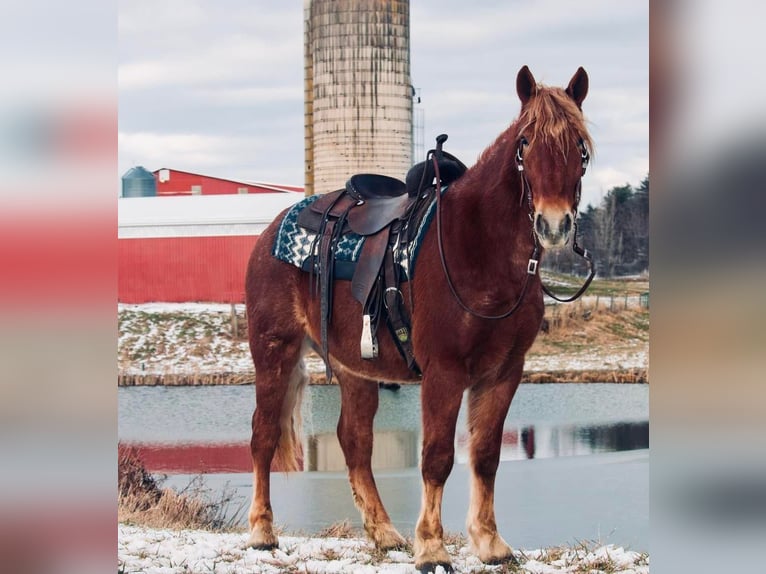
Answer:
(533, 262)
(527, 190)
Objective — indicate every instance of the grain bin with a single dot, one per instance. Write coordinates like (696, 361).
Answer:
(138, 182)
(358, 92)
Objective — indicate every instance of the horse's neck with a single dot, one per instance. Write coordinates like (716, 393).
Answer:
(499, 212)
(490, 213)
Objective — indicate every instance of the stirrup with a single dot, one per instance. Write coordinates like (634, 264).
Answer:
(368, 343)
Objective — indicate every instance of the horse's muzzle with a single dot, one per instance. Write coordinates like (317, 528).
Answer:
(552, 230)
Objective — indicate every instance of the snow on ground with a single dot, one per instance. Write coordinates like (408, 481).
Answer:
(634, 357)
(195, 338)
(150, 551)
(181, 308)
(180, 338)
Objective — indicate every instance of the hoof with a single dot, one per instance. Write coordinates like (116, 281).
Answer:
(260, 540)
(388, 539)
(431, 568)
(510, 559)
(491, 549)
(263, 546)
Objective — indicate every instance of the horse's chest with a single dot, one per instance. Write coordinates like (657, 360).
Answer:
(499, 346)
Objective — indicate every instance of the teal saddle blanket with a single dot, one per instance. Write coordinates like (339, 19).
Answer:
(293, 244)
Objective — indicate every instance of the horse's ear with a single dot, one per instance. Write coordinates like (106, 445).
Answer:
(525, 85)
(578, 86)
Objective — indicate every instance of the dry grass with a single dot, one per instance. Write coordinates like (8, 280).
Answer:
(580, 325)
(142, 500)
(341, 529)
(579, 559)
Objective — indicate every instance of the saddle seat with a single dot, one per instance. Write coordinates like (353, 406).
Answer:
(375, 186)
(381, 201)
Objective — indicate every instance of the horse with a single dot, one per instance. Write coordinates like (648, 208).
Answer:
(476, 305)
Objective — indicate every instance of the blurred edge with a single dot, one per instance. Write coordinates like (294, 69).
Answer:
(58, 126)
(57, 319)
(708, 397)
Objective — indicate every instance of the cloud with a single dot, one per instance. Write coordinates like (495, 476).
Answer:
(465, 25)
(251, 96)
(185, 151)
(146, 18)
(230, 76)
(229, 59)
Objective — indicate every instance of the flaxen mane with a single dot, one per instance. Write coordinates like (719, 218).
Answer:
(553, 117)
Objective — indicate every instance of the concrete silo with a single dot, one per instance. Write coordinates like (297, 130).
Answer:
(358, 92)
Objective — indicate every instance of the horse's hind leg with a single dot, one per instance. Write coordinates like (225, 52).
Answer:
(280, 379)
(487, 407)
(359, 402)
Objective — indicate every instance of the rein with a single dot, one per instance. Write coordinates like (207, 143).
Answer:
(534, 259)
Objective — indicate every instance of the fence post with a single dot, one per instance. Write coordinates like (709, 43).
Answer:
(234, 322)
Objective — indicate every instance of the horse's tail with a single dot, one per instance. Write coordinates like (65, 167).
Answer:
(289, 454)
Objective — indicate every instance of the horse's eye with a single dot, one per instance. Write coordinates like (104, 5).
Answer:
(520, 153)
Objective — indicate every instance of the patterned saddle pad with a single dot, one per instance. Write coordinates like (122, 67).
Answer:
(293, 243)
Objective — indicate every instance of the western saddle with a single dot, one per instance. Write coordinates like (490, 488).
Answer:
(386, 212)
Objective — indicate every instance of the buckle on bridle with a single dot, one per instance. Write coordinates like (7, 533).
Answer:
(519, 154)
(584, 155)
(532, 266)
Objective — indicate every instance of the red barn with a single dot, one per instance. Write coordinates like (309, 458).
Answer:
(176, 182)
(193, 248)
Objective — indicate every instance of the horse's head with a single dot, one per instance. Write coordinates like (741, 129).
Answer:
(552, 152)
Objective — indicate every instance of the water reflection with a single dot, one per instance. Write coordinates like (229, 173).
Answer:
(541, 441)
(390, 450)
(400, 449)
(207, 429)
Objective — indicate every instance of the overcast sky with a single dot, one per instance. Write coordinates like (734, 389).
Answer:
(217, 87)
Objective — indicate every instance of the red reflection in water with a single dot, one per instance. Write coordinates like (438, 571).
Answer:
(205, 458)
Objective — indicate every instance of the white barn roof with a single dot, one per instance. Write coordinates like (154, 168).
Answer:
(200, 215)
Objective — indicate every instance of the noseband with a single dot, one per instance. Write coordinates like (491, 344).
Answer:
(526, 190)
(532, 264)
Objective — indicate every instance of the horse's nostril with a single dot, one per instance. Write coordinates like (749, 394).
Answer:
(541, 226)
(566, 225)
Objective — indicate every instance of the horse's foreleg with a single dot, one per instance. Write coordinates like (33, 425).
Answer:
(279, 380)
(487, 409)
(359, 402)
(440, 401)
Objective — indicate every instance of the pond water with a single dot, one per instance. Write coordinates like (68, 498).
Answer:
(574, 458)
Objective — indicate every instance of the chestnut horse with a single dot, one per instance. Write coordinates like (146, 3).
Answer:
(492, 219)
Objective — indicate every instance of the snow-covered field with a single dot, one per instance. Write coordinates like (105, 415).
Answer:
(191, 338)
(180, 338)
(150, 551)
